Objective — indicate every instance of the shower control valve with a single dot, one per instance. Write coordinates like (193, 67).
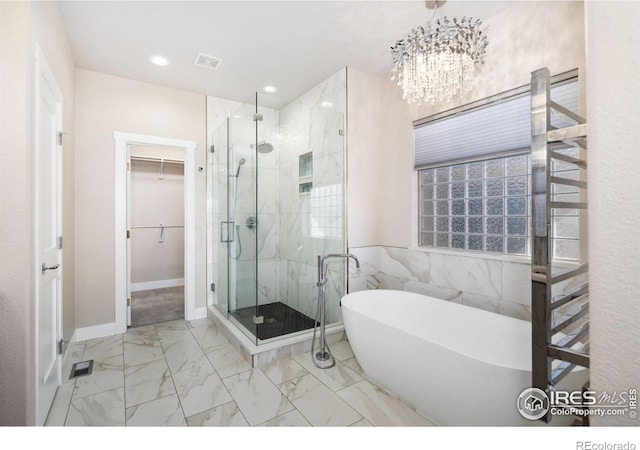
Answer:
(251, 222)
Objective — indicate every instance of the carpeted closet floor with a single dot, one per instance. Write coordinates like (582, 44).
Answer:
(157, 306)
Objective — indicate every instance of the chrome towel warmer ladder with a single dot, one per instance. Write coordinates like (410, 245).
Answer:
(546, 141)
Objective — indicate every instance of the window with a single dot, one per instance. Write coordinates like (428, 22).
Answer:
(475, 177)
(481, 206)
(566, 222)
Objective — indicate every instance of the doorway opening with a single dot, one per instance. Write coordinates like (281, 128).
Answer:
(163, 157)
(156, 240)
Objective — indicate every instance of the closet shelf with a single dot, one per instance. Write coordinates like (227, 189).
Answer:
(151, 158)
(158, 226)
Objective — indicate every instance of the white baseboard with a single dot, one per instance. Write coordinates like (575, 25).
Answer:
(199, 313)
(96, 331)
(159, 284)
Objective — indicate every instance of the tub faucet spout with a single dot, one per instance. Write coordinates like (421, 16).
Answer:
(323, 262)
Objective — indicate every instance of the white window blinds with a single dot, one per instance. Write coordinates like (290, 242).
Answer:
(500, 127)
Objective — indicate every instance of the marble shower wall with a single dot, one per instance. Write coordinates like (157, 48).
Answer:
(312, 223)
(494, 285)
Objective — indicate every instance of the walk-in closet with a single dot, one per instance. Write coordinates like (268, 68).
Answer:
(156, 234)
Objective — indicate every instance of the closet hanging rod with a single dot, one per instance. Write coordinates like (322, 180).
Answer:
(158, 226)
(154, 159)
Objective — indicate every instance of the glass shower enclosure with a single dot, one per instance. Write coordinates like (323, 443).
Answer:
(278, 199)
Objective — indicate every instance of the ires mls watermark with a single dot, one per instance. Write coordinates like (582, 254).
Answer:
(533, 403)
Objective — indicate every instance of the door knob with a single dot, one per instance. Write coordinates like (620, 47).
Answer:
(45, 268)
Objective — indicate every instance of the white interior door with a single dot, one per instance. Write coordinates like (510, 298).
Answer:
(128, 235)
(48, 240)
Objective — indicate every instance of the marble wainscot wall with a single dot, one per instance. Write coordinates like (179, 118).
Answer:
(492, 284)
(489, 284)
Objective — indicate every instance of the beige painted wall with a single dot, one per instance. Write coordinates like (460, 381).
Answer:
(396, 136)
(614, 133)
(380, 133)
(379, 146)
(523, 38)
(16, 263)
(557, 43)
(23, 24)
(105, 104)
(363, 158)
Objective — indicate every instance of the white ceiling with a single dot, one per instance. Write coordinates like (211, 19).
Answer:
(289, 44)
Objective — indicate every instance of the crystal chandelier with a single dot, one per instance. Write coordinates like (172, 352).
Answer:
(435, 62)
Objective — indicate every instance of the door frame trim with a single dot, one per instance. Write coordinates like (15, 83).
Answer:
(121, 141)
(42, 72)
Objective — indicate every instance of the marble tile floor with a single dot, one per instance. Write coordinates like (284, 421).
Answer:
(186, 374)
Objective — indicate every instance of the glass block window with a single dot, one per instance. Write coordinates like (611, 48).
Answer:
(480, 206)
(485, 206)
(566, 222)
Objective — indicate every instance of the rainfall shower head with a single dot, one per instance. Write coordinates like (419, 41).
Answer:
(264, 147)
(240, 163)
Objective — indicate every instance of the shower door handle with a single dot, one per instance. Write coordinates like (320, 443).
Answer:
(230, 235)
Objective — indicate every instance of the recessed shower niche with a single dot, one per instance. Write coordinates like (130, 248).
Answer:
(305, 173)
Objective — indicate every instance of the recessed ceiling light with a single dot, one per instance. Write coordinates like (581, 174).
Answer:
(270, 89)
(326, 104)
(159, 60)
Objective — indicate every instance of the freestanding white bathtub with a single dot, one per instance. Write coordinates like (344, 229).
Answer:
(458, 366)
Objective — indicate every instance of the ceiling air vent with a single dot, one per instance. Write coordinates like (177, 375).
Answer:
(207, 61)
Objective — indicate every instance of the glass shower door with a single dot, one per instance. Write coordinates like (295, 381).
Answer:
(219, 193)
(242, 223)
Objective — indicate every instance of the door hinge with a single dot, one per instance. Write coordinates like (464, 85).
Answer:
(60, 133)
(128, 167)
(341, 132)
(59, 242)
(257, 117)
(213, 147)
(61, 344)
(128, 302)
(128, 234)
(213, 287)
(258, 320)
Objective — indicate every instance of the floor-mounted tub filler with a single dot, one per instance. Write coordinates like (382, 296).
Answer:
(459, 366)
(323, 359)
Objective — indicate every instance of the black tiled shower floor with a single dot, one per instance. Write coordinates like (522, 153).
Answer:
(279, 319)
